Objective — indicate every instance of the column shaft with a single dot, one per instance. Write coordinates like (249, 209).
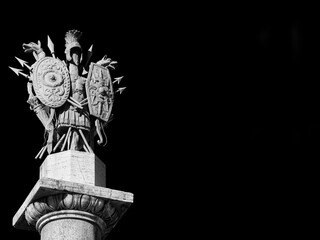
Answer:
(70, 225)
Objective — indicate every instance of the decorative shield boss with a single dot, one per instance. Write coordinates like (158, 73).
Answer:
(51, 81)
(99, 92)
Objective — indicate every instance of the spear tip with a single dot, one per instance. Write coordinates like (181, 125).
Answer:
(50, 45)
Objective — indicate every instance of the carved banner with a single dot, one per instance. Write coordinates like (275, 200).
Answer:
(51, 81)
(99, 91)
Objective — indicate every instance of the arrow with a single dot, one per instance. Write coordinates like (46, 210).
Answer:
(23, 63)
(18, 71)
(120, 90)
(51, 46)
(117, 80)
(25, 75)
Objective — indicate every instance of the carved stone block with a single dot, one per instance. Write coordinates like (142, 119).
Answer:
(50, 197)
(74, 166)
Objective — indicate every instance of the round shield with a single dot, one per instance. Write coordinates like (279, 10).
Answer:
(51, 81)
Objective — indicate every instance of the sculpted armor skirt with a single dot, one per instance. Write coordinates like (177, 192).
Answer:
(70, 116)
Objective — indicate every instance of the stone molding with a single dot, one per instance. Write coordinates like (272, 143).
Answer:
(74, 214)
(104, 209)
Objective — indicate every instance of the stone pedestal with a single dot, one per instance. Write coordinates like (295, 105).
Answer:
(74, 166)
(75, 209)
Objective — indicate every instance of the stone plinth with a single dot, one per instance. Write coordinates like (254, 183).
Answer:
(74, 166)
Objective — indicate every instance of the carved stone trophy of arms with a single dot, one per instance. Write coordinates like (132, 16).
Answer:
(73, 98)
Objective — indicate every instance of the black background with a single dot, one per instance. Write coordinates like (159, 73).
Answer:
(280, 89)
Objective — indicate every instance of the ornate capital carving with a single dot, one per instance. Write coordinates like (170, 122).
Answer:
(107, 210)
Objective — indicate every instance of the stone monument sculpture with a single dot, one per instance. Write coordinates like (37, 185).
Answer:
(73, 100)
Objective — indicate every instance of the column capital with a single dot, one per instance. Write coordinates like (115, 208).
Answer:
(52, 197)
(108, 211)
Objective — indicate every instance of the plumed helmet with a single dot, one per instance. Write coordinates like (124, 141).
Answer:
(72, 41)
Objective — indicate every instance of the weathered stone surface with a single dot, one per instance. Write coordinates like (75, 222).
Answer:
(70, 195)
(71, 225)
(74, 166)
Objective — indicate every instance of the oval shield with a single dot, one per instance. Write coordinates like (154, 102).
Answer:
(99, 91)
(51, 81)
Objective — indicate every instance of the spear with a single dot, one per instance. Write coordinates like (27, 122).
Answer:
(51, 46)
(84, 71)
(89, 54)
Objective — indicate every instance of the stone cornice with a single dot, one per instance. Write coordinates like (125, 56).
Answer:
(46, 187)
